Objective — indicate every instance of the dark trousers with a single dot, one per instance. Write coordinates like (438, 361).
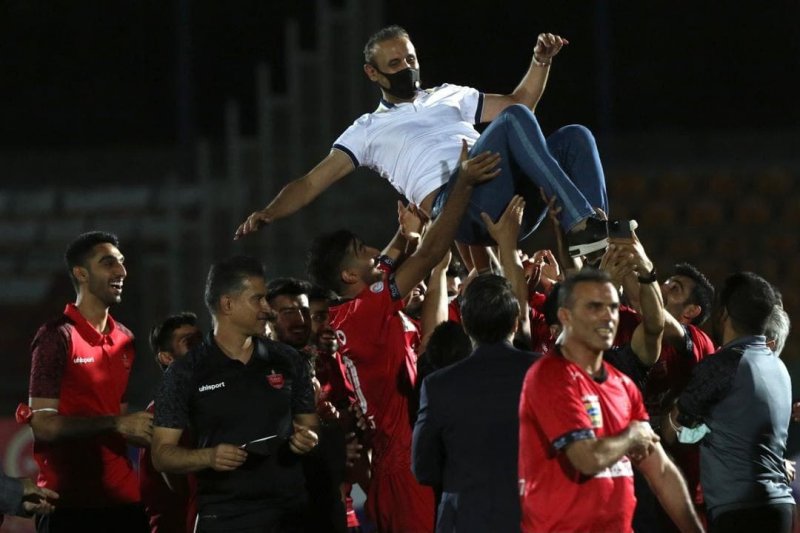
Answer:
(764, 519)
(118, 519)
(293, 518)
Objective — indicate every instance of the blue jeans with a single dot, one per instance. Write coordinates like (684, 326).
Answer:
(566, 165)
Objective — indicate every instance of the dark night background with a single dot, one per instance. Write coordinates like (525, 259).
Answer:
(99, 73)
(694, 105)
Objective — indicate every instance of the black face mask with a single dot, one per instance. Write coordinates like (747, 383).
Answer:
(402, 84)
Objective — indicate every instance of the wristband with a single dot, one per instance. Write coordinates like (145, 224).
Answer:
(648, 278)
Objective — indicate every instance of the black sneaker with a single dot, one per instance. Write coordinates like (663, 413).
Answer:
(593, 238)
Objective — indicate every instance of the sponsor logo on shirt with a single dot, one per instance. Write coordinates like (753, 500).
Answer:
(621, 468)
(592, 405)
(214, 386)
(83, 360)
(275, 380)
(376, 287)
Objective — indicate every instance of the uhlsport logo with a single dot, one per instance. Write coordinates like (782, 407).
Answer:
(83, 360)
(214, 386)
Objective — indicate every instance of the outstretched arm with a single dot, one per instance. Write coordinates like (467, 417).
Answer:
(299, 193)
(50, 426)
(505, 233)
(531, 88)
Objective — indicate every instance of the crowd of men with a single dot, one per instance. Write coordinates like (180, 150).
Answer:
(494, 391)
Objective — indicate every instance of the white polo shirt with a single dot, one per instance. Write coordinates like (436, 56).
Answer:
(415, 145)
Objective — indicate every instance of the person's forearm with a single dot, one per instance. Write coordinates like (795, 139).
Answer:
(652, 308)
(396, 249)
(601, 453)
(434, 306)
(515, 274)
(294, 196)
(673, 495)
(48, 427)
(442, 232)
(175, 459)
(531, 87)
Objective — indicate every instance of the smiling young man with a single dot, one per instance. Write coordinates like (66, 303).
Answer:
(583, 427)
(80, 366)
(414, 137)
(234, 388)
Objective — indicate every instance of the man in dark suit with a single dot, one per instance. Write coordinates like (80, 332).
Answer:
(466, 437)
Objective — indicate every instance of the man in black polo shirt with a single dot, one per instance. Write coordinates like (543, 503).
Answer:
(234, 389)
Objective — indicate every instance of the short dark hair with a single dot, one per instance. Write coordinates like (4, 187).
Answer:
(227, 277)
(447, 344)
(749, 301)
(489, 310)
(585, 275)
(702, 293)
(389, 32)
(326, 256)
(161, 334)
(80, 249)
(317, 293)
(287, 287)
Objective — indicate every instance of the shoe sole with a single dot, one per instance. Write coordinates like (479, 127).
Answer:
(579, 250)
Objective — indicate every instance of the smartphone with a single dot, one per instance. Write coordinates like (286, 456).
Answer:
(622, 229)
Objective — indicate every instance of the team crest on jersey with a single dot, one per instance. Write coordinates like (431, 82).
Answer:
(275, 380)
(376, 287)
(592, 405)
(341, 337)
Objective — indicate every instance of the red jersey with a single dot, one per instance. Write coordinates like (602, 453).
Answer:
(560, 404)
(169, 508)
(378, 344)
(88, 373)
(629, 319)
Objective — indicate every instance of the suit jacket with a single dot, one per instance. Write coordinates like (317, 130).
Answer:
(10, 495)
(466, 439)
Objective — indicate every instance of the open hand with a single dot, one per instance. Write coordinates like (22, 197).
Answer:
(506, 229)
(253, 223)
(137, 428)
(481, 168)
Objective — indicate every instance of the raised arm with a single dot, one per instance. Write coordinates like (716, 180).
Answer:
(442, 231)
(505, 233)
(299, 193)
(531, 88)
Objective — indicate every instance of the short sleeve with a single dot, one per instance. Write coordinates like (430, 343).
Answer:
(172, 399)
(470, 104)
(353, 142)
(553, 395)
(49, 352)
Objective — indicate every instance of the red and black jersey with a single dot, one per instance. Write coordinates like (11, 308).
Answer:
(88, 373)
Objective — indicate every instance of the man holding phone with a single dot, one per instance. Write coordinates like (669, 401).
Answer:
(233, 389)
